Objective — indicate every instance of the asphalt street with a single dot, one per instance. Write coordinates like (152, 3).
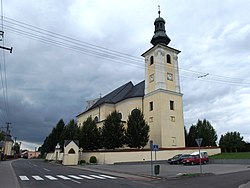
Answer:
(37, 173)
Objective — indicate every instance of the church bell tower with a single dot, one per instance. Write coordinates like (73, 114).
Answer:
(163, 107)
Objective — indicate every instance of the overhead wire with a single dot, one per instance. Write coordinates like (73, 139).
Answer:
(60, 40)
(3, 73)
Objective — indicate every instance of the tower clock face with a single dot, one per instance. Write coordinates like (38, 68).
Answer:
(170, 76)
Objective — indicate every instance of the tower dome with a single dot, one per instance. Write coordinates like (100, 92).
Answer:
(160, 35)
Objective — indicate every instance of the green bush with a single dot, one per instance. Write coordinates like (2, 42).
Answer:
(93, 159)
(82, 162)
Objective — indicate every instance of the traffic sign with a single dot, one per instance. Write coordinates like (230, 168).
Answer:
(199, 141)
(155, 147)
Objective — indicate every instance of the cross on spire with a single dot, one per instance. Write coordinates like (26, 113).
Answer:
(159, 10)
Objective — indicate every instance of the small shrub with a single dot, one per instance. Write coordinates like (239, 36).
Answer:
(82, 162)
(93, 159)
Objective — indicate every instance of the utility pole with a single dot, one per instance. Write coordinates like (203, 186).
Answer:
(3, 47)
(6, 134)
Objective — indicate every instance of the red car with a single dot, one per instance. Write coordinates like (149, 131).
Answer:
(195, 159)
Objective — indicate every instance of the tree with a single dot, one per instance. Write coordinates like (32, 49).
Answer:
(231, 141)
(71, 131)
(192, 135)
(206, 131)
(203, 129)
(113, 132)
(89, 135)
(16, 148)
(56, 136)
(186, 136)
(137, 133)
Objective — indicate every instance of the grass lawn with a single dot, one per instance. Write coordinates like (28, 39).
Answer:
(240, 155)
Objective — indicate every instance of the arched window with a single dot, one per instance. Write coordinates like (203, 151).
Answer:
(168, 58)
(120, 115)
(134, 111)
(96, 119)
(71, 151)
(151, 60)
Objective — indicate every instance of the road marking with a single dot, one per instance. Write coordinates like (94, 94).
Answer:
(110, 177)
(37, 178)
(75, 177)
(24, 178)
(87, 177)
(75, 181)
(98, 177)
(34, 165)
(50, 177)
(63, 177)
(46, 169)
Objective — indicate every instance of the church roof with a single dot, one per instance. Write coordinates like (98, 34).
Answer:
(125, 91)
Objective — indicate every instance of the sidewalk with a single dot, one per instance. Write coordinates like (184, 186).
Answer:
(166, 171)
(7, 175)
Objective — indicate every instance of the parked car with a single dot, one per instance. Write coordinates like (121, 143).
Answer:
(177, 159)
(195, 159)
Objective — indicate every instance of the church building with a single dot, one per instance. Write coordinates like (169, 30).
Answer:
(159, 96)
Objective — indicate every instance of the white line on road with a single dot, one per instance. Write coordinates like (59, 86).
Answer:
(34, 165)
(24, 178)
(75, 181)
(110, 177)
(46, 169)
(75, 177)
(37, 178)
(50, 177)
(98, 177)
(87, 177)
(63, 177)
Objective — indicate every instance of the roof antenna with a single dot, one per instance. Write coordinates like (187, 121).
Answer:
(159, 10)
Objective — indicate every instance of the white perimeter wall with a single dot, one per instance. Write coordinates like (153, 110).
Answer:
(140, 156)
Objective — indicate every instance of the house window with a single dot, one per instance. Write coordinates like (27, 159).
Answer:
(151, 60)
(168, 59)
(151, 106)
(171, 105)
(96, 119)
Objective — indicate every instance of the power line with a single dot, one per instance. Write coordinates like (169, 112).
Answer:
(49, 37)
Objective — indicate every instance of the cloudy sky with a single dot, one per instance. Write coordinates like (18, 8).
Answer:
(67, 52)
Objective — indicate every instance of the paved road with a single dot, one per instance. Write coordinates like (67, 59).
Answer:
(231, 180)
(35, 173)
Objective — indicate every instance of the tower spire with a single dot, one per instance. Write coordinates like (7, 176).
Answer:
(160, 35)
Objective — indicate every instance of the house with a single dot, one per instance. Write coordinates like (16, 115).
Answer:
(159, 96)
(6, 145)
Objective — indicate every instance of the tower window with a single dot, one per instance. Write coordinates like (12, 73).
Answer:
(168, 59)
(171, 105)
(151, 106)
(151, 60)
